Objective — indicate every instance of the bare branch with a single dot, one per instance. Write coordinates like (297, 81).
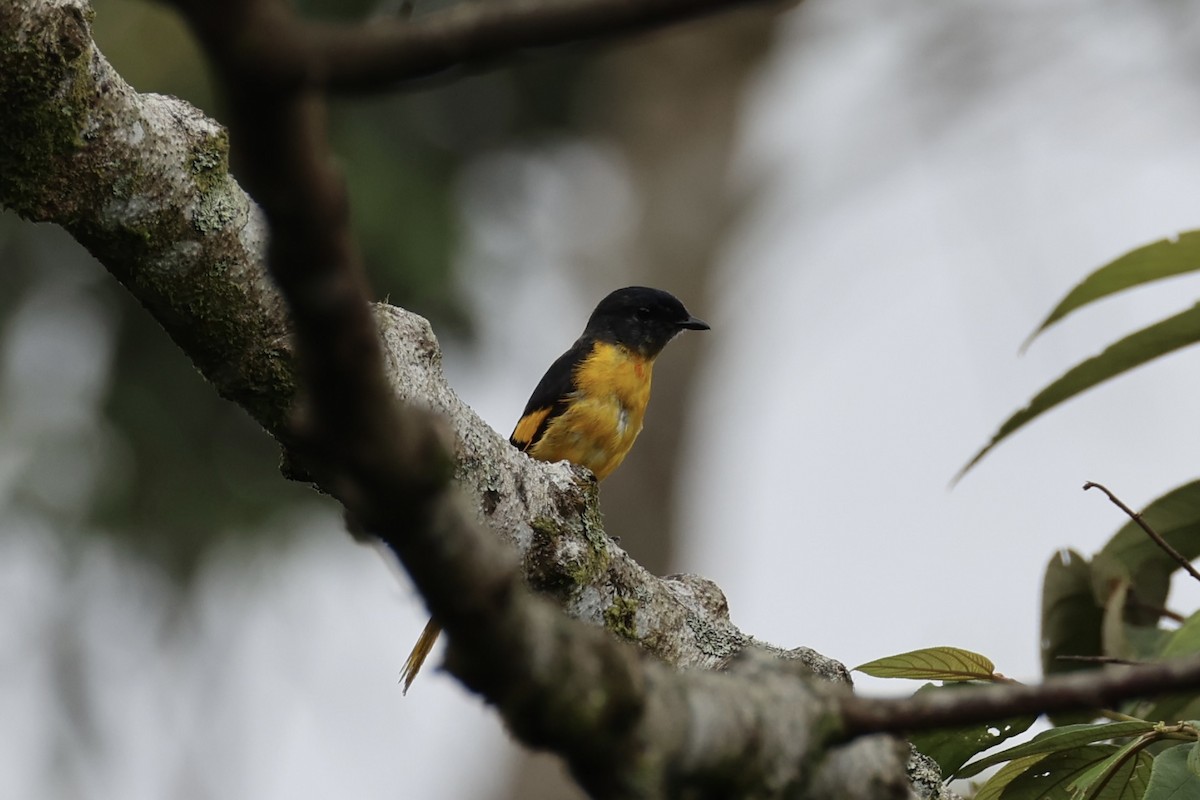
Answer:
(386, 52)
(1072, 692)
(1101, 660)
(1153, 534)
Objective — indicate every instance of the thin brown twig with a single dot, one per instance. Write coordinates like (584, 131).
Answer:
(386, 52)
(1162, 611)
(1102, 660)
(1153, 534)
(1092, 689)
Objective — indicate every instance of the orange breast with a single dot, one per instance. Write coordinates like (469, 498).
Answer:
(605, 412)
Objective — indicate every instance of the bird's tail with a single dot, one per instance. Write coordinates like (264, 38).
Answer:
(419, 653)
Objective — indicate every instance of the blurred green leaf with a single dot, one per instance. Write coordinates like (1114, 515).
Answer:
(932, 664)
(1193, 756)
(1172, 777)
(953, 747)
(1145, 642)
(1071, 620)
(1162, 259)
(1112, 629)
(1134, 350)
(1184, 640)
(1124, 640)
(1066, 738)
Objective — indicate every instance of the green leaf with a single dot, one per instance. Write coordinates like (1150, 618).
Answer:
(1130, 781)
(1172, 777)
(1134, 350)
(995, 785)
(1162, 259)
(1052, 777)
(1184, 640)
(1112, 630)
(1132, 555)
(1068, 737)
(1193, 759)
(1071, 618)
(1122, 639)
(953, 747)
(1104, 779)
(932, 664)
(1146, 643)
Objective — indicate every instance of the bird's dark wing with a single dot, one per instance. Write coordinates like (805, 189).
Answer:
(551, 397)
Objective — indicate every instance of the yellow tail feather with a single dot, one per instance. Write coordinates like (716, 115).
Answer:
(419, 653)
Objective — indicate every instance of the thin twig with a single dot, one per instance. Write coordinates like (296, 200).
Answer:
(1102, 660)
(1092, 689)
(387, 52)
(1153, 534)
(1174, 616)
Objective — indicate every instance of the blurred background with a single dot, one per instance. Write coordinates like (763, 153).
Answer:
(872, 203)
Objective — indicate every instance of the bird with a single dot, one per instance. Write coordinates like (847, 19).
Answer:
(589, 406)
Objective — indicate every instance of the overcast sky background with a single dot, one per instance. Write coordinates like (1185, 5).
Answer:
(864, 345)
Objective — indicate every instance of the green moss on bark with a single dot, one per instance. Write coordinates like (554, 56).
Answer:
(620, 618)
(556, 568)
(44, 90)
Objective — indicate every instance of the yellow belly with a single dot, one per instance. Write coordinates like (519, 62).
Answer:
(605, 413)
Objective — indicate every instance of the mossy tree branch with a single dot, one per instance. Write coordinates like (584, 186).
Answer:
(143, 182)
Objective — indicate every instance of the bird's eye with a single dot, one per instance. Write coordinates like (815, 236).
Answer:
(642, 314)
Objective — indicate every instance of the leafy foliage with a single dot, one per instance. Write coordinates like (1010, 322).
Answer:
(1162, 259)
(1094, 772)
(1110, 607)
(953, 747)
(1085, 761)
(1175, 773)
(1153, 262)
(1134, 350)
(1068, 737)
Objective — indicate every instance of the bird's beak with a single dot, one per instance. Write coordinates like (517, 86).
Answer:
(694, 324)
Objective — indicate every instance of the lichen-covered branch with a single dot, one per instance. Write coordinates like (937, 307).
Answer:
(629, 725)
(142, 181)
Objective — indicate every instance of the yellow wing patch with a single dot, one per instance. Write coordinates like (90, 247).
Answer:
(528, 426)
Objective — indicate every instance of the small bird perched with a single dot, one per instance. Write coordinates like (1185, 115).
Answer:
(588, 407)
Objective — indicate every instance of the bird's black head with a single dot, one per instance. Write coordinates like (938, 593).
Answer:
(642, 319)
